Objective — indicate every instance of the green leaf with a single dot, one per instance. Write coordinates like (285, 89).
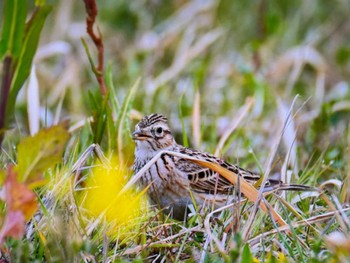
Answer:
(87, 50)
(29, 46)
(247, 255)
(42, 151)
(101, 120)
(122, 117)
(98, 106)
(110, 129)
(40, 2)
(111, 89)
(184, 133)
(13, 28)
(114, 108)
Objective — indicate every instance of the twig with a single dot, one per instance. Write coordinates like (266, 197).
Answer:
(5, 89)
(91, 13)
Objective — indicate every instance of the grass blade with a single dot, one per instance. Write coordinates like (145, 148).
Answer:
(28, 48)
(122, 117)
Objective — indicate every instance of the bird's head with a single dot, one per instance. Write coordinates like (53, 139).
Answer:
(153, 134)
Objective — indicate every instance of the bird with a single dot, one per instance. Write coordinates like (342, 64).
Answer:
(174, 183)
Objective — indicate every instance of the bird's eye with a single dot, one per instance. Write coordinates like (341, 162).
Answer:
(159, 131)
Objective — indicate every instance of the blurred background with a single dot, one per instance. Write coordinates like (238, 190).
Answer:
(210, 56)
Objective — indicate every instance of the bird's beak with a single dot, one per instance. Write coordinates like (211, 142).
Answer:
(138, 135)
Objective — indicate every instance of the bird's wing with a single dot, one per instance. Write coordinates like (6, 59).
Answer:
(205, 180)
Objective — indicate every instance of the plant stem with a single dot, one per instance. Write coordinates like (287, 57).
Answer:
(5, 89)
(91, 13)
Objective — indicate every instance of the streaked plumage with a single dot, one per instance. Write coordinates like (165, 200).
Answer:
(172, 180)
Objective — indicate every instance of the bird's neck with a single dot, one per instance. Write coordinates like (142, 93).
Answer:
(147, 152)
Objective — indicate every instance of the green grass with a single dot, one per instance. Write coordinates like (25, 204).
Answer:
(158, 55)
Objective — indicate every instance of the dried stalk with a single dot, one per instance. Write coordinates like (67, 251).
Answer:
(91, 13)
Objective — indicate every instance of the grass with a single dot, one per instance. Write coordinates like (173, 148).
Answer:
(227, 74)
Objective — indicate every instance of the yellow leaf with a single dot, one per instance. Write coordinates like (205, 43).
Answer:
(38, 153)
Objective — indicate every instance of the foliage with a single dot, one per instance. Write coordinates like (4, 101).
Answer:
(261, 83)
(18, 45)
(35, 155)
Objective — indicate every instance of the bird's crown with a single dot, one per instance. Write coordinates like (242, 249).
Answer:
(151, 119)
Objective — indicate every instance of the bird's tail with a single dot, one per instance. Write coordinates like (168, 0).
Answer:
(276, 185)
(296, 187)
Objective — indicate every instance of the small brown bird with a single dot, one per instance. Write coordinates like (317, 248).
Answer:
(173, 182)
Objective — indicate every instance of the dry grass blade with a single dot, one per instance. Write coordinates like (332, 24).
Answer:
(345, 190)
(341, 106)
(289, 140)
(268, 168)
(33, 102)
(164, 240)
(207, 227)
(339, 217)
(80, 124)
(84, 156)
(312, 220)
(242, 113)
(296, 57)
(341, 213)
(181, 62)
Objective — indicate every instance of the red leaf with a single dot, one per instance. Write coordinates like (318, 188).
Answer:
(17, 195)
(14, 225)
(21, 205)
